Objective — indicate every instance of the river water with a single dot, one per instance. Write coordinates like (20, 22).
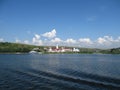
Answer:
(59, 72)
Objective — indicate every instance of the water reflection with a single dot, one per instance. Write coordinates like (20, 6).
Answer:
(53, 60)
(97, 64)
(45, 63)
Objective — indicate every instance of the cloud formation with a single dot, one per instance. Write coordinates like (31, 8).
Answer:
(36, 40)
(26, 42)
(100, 42)
(50, 38)
(108, 41)
(56, 40)
(17, 40)
(70, 41)
(85, 40)
(51, 34)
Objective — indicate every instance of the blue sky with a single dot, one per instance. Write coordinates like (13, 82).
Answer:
(84, 23)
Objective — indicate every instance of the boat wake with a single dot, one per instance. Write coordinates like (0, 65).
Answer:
(65, 80)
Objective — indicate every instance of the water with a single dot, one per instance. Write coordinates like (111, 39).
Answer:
(59, 72)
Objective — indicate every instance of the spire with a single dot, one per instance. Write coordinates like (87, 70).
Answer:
(57, 46)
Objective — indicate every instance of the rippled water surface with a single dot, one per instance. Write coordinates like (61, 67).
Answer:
(59, 72)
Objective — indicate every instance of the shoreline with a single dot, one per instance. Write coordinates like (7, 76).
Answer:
(20, 53)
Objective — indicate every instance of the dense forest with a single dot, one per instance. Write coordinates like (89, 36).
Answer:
(6, 47)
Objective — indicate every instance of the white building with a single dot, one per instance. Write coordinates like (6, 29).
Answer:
(76, 50)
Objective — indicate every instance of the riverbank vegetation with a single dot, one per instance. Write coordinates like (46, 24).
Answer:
(6, 47)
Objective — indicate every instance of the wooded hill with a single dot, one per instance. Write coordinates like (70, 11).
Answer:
(6, 47)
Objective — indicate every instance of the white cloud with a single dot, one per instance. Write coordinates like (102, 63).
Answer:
(51, 34)
(85, 40)
(50, 38)
(106, 40)
(70, 40)
(109, 38)
(118, 39)
(37, 36)
(56, 40)
(26, 42)
(1, 40)
(17, 40)
(101, 40)
(36, 40)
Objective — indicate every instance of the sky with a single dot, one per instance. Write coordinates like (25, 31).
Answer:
(82, 23)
